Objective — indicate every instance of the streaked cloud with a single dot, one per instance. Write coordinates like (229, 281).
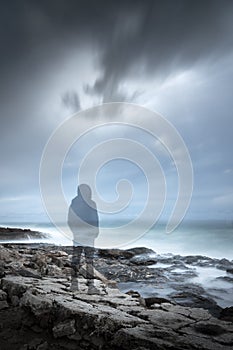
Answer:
(171, 56)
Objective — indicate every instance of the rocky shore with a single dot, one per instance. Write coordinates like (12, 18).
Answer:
(12, 233)
(145, 301)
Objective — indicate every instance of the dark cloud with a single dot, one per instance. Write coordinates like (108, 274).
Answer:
(161, 37)
(127, 40)
(131, 37)
(70, 100)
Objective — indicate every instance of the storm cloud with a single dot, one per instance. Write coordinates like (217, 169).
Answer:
(58, 57)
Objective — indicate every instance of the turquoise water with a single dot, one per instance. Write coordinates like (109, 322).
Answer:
(213, 239)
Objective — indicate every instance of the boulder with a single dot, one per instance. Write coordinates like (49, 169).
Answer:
(64, 328)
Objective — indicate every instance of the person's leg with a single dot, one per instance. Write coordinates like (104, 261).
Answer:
(89, 255)
(75, 266)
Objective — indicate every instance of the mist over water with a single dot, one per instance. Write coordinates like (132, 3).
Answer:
(213, 239)
(207, 238)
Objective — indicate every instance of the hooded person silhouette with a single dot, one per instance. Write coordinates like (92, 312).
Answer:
(83, 221)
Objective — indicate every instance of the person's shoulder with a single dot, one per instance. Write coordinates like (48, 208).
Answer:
(93, 204)
(74, 200)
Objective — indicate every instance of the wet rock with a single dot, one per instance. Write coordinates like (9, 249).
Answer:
(115, 253)
(140, 250)
(123, 254)
(196, 259)
(143, 260)
(193, 298)
(225, 262)
(226, 279)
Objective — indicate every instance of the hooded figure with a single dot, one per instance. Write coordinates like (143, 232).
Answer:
(84, 223)
(83, 218)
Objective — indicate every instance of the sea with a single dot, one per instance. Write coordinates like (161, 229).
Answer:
(207, 238)
(213, 239)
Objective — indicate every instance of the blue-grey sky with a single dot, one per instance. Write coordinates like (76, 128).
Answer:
(174, 57)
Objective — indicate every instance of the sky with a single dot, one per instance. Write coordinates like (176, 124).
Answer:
(60, 57)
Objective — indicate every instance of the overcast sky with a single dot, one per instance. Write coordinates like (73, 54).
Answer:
(58, 57)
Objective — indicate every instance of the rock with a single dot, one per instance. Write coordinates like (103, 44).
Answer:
(36, 328)
(75, 336)
(24, 347)
(229, 271)
(53, 270)
(15, 300)
(7, 255)
(117, 320)
(209, 329)
(3, 295)
(147, 302)
(133, 293)
(28, 273)
(225, 262)
(134, 338)
(3, 304)
(59, 253)
(43, 346)
(7, 233)
(140, 250)
(41, 260)
(115, 253)
(13, 286)
(2, 272)
(64, 328)
(143, 260)
(196, 296)
(34, 344)
(225, 278)
(46, 311)
(227, 314)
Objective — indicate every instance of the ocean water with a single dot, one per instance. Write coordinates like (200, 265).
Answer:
(212, 239)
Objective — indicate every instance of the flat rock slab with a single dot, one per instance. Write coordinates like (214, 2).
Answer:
(111, 319)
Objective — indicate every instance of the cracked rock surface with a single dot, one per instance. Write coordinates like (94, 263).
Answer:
(39, 311)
